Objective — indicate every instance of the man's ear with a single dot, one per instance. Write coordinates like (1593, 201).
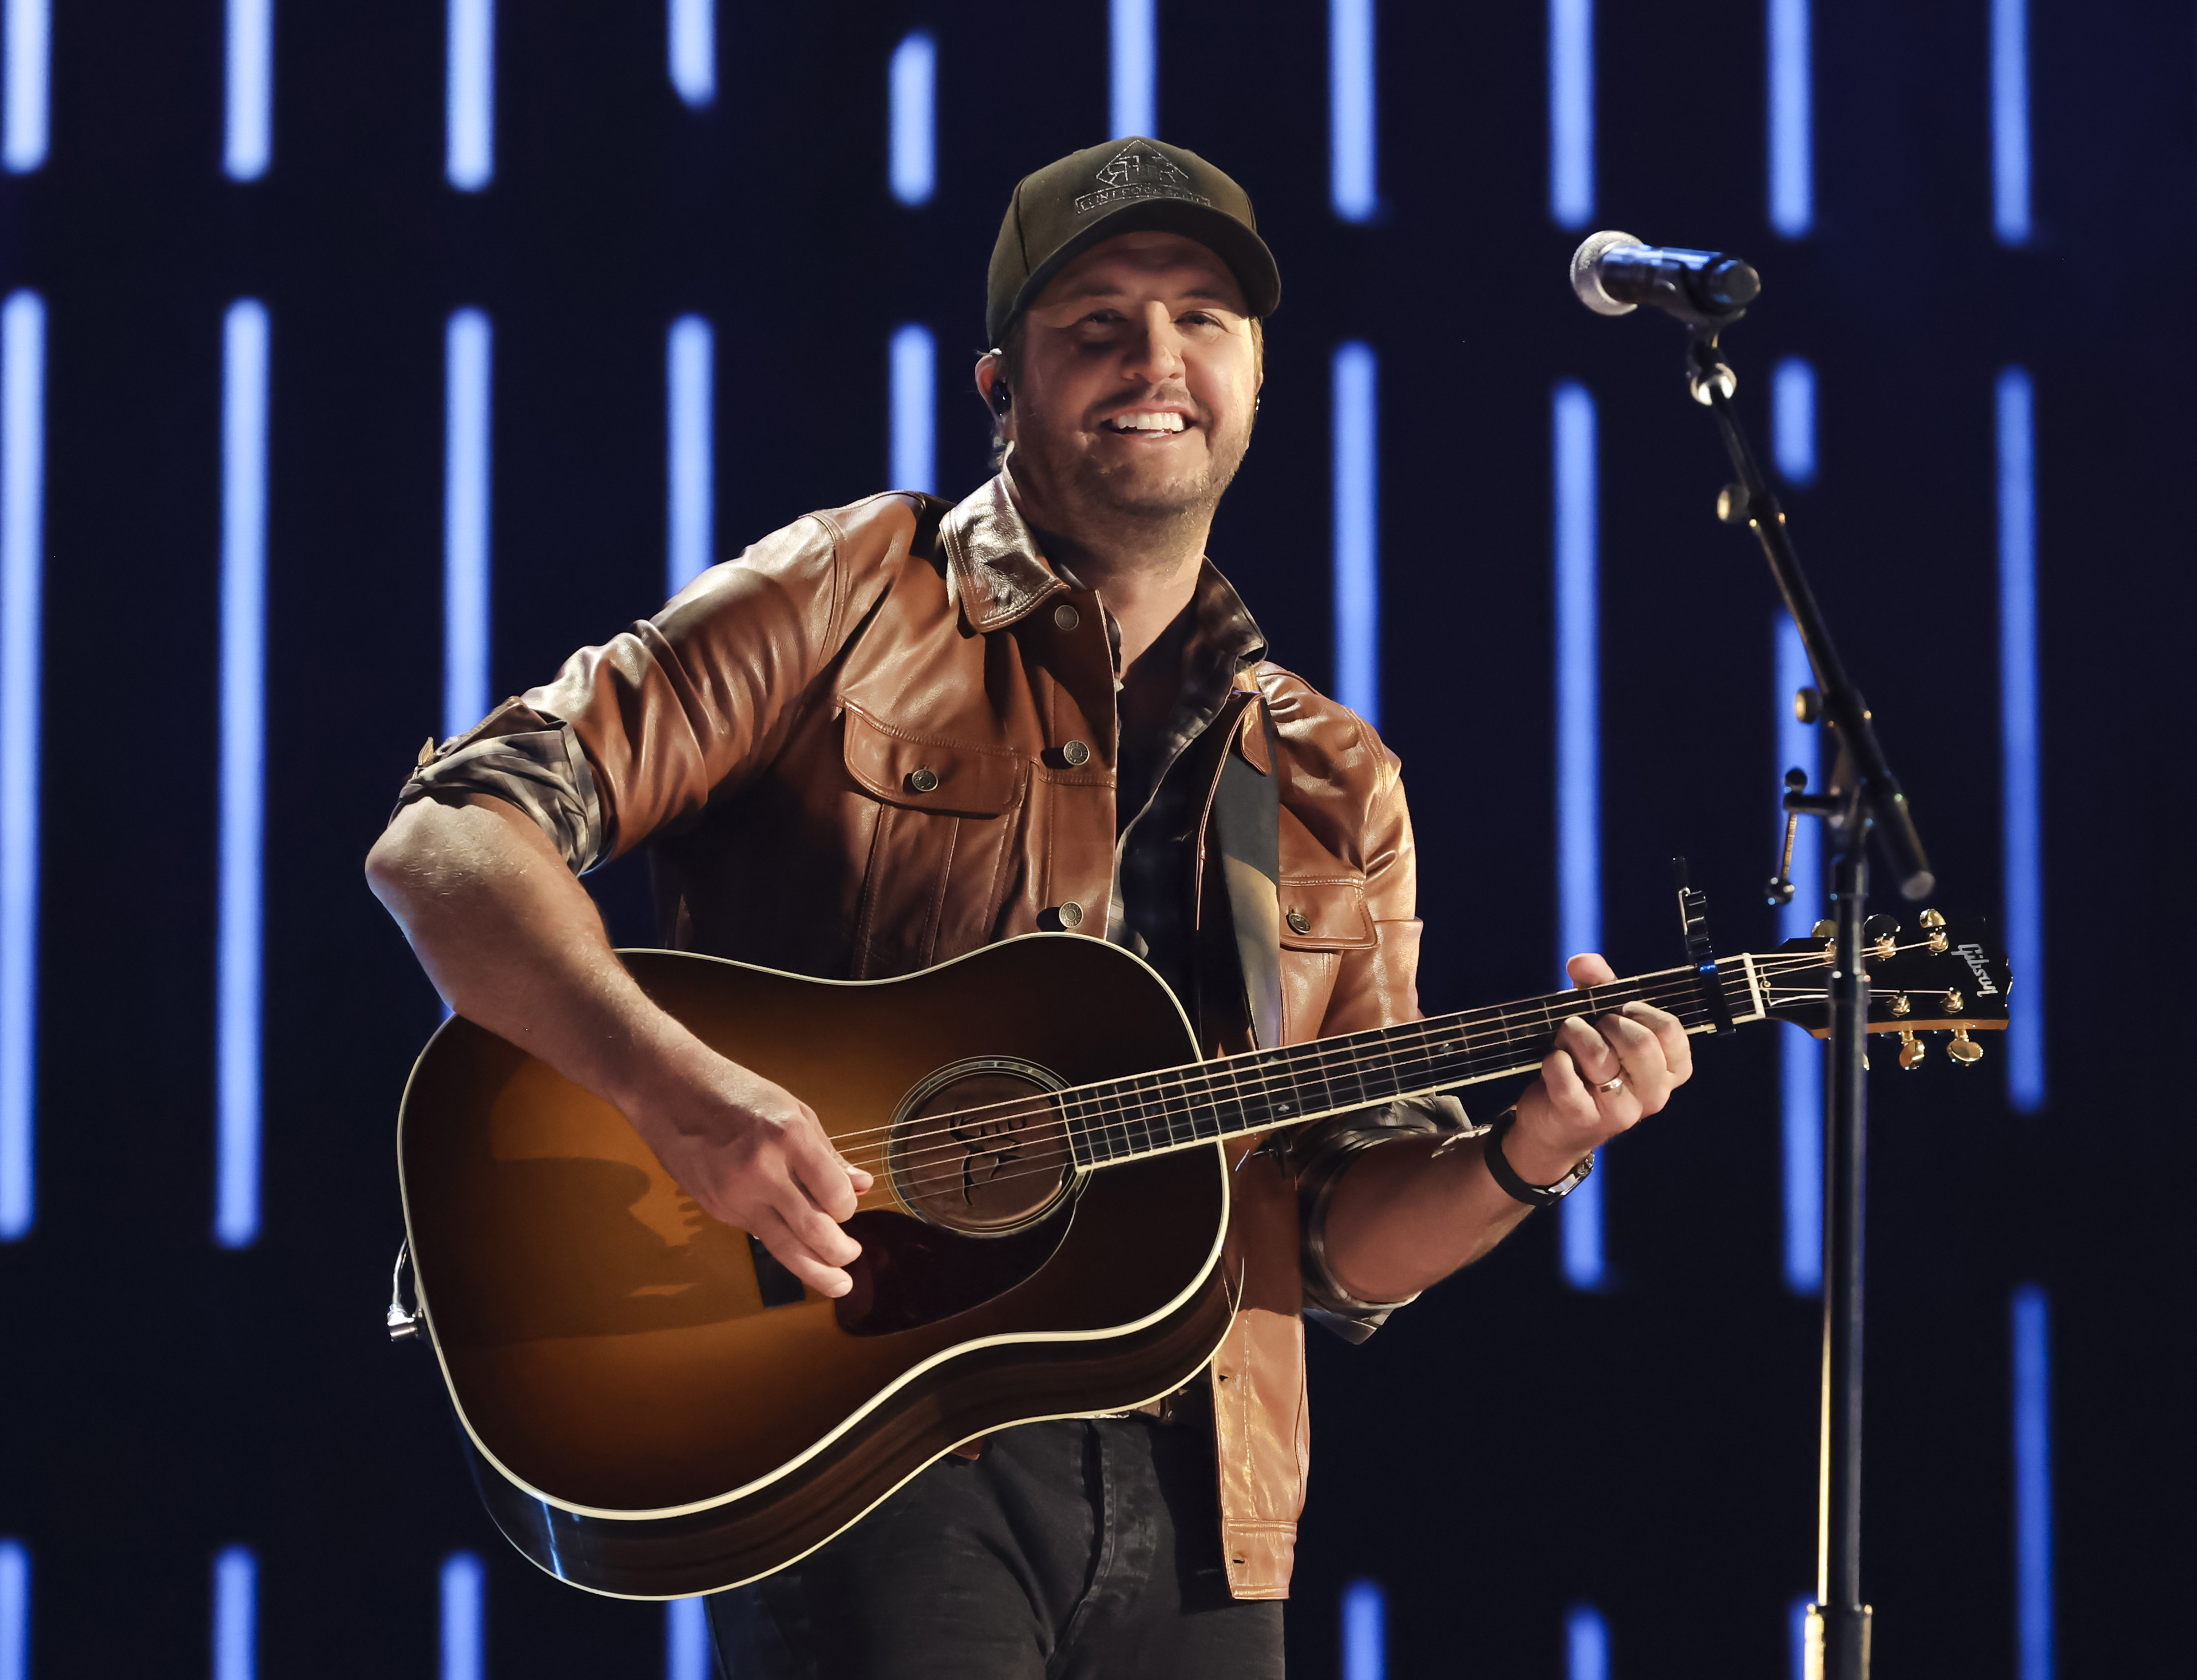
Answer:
(988, 380)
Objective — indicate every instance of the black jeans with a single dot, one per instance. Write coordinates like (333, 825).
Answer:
(1079, 1551)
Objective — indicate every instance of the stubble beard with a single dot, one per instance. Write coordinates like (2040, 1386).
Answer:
(1108, 506)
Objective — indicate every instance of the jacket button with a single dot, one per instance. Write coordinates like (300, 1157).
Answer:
(1066, 616)
(922, 780)
(1299, 922)
(1076, 753)
(1072, 914)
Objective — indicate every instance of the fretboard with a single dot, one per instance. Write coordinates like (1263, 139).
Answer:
(1178, 1107)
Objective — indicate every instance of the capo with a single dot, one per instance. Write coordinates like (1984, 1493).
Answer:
(1693, 925)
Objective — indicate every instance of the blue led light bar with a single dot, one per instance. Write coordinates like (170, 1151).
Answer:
(236, 1614)
(1364, 1632)
(2022, 817)
(238, 948)
(2032, 1482)
(1358, 530)
(2010, 58)
(465, 560)
(691, 40)
(28, 25)
(1792, 420)
(1791, 120)
(1796, 1633)
(687, 1640)
(1801, 1057)
(250, 139)
(912, 119)
(14, 1610)
(469, 156)
(1134, 55)
(1579, 753)
(690, 425)
(914, 402)
(1571, 111)
(22, 586)
(1352, 110)
(1586, 1640)
(464, 1619)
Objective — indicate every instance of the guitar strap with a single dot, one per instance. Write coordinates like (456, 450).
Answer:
(1246, 823)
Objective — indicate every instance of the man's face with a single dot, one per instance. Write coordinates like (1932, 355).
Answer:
(1139, 379)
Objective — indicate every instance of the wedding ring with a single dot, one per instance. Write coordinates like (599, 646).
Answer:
(1609, 1087)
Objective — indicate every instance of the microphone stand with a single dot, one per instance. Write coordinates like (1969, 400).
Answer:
(1863, 798)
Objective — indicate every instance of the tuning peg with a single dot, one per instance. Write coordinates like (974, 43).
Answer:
(1955, 1003)
(1964, 1050)
(1823, 931)
(1912, 1049)
(1902, 1006)
(1879, 931)
(1935, 925)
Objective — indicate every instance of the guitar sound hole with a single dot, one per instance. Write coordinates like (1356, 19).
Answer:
(982, 1148)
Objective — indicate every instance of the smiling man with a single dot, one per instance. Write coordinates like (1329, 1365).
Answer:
(896, 732)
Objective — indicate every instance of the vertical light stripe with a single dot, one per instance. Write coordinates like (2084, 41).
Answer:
(14, 1610)
(22, 588)
(912, 119)
(465, 558)
(465, 1621)
(1579, 752)
(1571, 111)
(1792, 419)
(691, 32)
(2009, 50)
(1791, 120)
(1796, 1632)
(1586, 1642)
(1801, 1057)
(1364, 1632)
(690, 452)
(2022, 817)
(1358, 530)
(243, 771)
(469, 158)
(687, 1640)
(250, 141)
(1352, 110)
(1134, 84)
(2032, 1482)
(236, 1614)
(29, 71)
(914, 400)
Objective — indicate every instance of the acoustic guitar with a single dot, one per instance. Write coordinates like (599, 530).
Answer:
(656, 1408)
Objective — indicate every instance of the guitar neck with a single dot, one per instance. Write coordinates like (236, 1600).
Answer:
(1203, 1103)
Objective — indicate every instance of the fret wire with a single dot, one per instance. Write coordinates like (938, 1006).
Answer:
(1389, 1046)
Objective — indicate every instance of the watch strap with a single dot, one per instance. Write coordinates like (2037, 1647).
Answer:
(1534, 1195)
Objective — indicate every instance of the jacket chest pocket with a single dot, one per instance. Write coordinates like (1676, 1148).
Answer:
(943, 812)
(1323, 919)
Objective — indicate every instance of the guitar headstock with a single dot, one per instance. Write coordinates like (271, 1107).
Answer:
(1931, 975)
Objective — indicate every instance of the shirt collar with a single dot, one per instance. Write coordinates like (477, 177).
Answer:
(998, 575)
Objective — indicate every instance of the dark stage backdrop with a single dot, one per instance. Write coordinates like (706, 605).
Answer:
(1507, 1447)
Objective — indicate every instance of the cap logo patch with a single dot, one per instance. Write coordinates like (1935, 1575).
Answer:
(1138, 172)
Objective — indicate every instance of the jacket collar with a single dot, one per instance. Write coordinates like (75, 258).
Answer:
(993, 564)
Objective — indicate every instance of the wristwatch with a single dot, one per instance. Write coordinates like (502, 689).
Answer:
(1534, 1195)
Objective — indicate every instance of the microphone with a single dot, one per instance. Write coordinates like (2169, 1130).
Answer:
(1615, 274)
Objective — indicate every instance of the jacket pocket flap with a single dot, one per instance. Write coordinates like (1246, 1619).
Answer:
(1325, 914)
(931, 775)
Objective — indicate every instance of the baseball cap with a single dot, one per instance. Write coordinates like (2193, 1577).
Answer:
(1124, 186)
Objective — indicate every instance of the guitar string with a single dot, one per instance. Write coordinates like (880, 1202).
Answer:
(1667, 981)
(915, 1182)
(1391, 1044)
(1346, 1056)
(1328, 1070)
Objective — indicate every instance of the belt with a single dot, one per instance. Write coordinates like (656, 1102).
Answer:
(1192, 1403)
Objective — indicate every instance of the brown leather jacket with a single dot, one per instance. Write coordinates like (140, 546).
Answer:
(846, 748)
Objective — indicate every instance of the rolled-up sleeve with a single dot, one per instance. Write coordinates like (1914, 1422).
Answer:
(640, 733)
(525, 759)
